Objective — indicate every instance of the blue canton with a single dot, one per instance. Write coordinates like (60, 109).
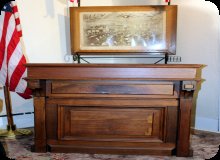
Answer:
(7, 7)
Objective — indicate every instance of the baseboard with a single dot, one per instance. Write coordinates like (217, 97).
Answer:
(206, 124)
(21, 121)
(196, 131)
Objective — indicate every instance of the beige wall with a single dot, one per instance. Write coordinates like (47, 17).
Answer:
(46, 39)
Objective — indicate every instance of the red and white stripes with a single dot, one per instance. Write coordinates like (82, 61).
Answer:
(17, 18)
(73, 1)
(12, 60)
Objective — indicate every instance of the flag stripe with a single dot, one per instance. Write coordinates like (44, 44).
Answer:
(3, 72)
(15, 9)
(26, 93)
(2, 17)
(18, 72)
(12, 60)
(17, 19)
(12, 44)
(16, 15)
(22, 84)
(3, 57)
(3, 37)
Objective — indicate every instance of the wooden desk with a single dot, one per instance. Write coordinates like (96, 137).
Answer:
(116, 109)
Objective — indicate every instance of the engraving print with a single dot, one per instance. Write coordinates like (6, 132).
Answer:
(122, 30)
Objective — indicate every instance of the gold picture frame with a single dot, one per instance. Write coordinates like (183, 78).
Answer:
(123, 29)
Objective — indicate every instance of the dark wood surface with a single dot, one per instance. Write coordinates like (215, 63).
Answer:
(116, 109)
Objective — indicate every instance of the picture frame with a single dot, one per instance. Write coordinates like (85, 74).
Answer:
(123, 29)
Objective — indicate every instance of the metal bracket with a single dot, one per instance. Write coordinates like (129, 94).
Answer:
(189, 85)
(75, 57)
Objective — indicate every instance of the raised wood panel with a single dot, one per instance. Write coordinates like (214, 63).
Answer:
(99, 122)
(171, 124)
(110, 123)
(51, 120)
(108, 87)
(39, 119)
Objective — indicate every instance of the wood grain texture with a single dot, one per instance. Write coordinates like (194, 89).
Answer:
(117, 109)
(112, 71)
(111, 88)
(171, 124)
(110, 122)
(183, 141)
(39, 123)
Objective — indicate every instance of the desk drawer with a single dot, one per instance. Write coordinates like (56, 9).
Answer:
(113, 87)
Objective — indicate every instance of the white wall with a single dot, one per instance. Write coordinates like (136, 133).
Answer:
(46, 39)
(198, 42)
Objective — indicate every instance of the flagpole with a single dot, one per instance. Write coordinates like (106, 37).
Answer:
(11, 131)
(11, 125)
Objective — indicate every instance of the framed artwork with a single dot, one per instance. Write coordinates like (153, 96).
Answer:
(123, 29)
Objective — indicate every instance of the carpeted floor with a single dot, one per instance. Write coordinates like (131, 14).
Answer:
(205, 146)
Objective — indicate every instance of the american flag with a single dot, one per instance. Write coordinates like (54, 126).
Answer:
(12, 60)
(73, 1)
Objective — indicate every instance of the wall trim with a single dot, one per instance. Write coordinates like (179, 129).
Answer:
(206, 124)
(21, 121)
(196, 132)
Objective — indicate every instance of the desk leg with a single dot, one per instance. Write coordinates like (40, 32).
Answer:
(39, 125)
(183, 140)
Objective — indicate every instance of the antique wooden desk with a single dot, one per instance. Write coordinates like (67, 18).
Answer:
(116, 109)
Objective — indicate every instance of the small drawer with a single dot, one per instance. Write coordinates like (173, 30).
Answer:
(112, 87)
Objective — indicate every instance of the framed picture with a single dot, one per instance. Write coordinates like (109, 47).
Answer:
(123, 29)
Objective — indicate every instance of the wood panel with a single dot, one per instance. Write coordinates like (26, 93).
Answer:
(51, 120)
(183, 141)
(108, 87)
(104, 71)
(171, 124)
(39, 123)
(110, 123)
(114, 102)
